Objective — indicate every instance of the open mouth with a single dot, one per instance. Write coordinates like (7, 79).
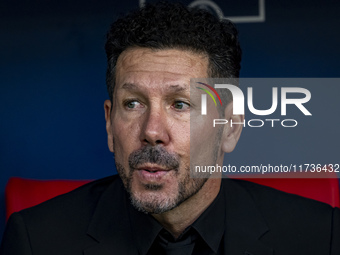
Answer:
(152, 174)
(152, 170)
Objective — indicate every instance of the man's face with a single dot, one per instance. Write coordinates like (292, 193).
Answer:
(149, 126)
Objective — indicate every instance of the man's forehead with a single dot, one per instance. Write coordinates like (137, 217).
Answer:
(164, 89)
(166, 71)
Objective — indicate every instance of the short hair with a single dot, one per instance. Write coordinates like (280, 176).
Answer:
(174, 26)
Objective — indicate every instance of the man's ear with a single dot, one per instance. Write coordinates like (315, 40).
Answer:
(107, 108)
(231, 134)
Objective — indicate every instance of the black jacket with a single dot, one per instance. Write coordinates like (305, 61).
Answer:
(92, 220)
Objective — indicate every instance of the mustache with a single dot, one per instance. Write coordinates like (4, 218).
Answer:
(155, 155)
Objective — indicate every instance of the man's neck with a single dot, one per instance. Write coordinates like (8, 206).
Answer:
(179, 218)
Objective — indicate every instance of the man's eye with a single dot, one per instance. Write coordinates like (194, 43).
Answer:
(132, 104)
(179, 105)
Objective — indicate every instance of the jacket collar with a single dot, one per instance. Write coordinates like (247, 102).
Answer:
(110, 224)
(245, 225)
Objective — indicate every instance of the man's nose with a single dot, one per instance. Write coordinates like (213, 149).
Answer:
(155, 128)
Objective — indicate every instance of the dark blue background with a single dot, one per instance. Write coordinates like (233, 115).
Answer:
(53, 77)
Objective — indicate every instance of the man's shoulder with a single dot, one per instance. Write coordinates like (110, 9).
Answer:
(282, 212)
(81, 201)
(61, 225)
(288, 221)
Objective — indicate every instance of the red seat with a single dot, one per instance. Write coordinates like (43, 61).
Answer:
(325, 190)
(321, 186)
(22, 193)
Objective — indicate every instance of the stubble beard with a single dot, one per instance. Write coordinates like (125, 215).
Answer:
(154, 200)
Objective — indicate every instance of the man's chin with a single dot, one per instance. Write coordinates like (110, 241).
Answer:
(154, 200)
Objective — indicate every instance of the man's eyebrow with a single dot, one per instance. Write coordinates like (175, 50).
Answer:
(129, 86)
(177, 88)
(172, 88)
